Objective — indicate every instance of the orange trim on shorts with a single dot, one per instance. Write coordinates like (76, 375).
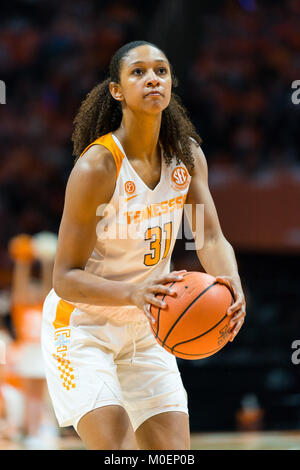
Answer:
(63, 314)
(108, 142)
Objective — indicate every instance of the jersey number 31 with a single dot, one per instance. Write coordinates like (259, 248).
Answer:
(150, 259)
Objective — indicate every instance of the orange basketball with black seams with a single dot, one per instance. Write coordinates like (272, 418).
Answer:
(195, 324)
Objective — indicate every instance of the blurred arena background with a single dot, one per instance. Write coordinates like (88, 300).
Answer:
(236, 62)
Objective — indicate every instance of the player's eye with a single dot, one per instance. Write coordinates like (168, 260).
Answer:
(137, 71)
(162, 70)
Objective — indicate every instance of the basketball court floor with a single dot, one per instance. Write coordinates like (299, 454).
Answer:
(273, 440)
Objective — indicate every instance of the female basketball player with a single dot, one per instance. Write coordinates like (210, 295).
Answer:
(107, 375)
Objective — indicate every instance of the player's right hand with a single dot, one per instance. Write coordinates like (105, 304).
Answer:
(143, 294)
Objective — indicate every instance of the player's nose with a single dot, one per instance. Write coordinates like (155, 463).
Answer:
(152, 79)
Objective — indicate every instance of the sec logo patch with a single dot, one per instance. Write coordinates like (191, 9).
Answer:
(129, 187)
(180, 178)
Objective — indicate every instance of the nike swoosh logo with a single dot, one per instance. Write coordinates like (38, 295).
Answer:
(131, 197)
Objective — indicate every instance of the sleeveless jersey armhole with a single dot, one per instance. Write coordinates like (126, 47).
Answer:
(108, 142)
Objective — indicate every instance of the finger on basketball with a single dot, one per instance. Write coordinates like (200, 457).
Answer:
(226, 281)
(237, 326)
(236, 317)
(162, 289)
(236, 330)
(235, 307)
(155, 301)
(171, 277)
(148, 313)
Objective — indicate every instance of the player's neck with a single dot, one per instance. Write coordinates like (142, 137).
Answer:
(139, 136)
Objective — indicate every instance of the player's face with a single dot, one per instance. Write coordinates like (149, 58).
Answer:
(145, 80)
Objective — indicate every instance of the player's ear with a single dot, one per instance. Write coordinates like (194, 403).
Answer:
(115, 90)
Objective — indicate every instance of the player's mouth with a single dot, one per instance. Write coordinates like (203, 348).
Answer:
(154, 93)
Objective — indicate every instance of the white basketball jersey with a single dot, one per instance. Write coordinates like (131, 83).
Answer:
(137, 234)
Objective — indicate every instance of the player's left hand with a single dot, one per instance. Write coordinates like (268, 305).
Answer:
(237, 311)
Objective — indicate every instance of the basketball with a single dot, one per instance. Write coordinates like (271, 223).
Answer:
(194, 325)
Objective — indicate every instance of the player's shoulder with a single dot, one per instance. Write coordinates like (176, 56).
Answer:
(94, 174)
(200, 163)
(97, 161)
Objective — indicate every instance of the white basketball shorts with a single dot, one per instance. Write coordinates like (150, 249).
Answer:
(90, 366)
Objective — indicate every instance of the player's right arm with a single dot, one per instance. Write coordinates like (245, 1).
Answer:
(91, 184)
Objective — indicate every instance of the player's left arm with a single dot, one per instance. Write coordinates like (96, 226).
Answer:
(215, 253)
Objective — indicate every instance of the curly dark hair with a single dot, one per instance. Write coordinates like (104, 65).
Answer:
(100, 114)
